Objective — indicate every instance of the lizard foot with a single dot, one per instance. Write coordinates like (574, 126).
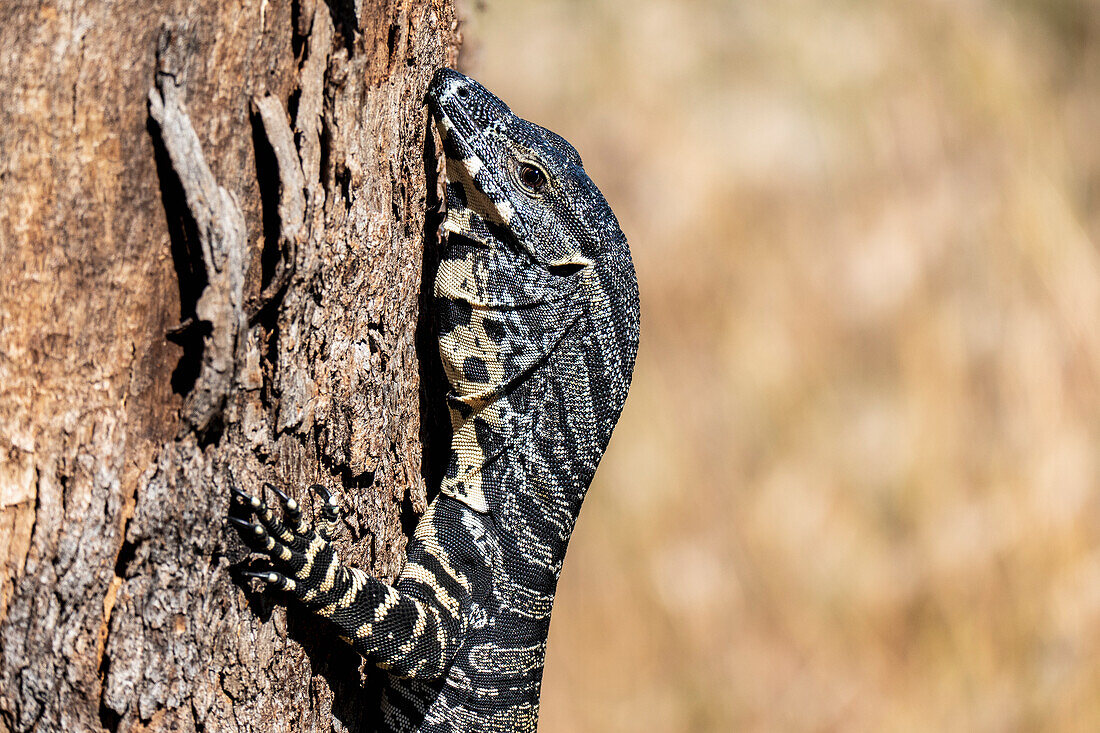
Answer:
(303, 560)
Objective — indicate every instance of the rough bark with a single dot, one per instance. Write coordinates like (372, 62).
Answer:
(212, 258)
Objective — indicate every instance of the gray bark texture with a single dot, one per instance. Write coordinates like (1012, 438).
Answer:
(216, 235)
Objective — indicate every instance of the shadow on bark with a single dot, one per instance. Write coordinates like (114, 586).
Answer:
(345, 20)
(435, 425)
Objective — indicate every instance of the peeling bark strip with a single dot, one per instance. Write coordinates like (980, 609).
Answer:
(270, 194)
(220, 226)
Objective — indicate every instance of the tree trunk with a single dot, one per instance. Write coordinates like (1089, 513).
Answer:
(212, 258)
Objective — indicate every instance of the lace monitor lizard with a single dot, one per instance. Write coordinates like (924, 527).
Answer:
(537, 310)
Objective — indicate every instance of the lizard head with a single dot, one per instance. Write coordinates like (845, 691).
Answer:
(511, 181)
(536, 276)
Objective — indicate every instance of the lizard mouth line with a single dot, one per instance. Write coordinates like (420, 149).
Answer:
(454, 122)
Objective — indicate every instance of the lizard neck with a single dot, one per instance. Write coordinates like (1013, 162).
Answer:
(539, 367)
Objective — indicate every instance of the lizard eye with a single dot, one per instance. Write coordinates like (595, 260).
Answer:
(531, 177)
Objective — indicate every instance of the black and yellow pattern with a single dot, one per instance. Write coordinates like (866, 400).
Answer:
(537, 308)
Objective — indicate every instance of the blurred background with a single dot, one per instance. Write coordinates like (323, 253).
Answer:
(857, 482)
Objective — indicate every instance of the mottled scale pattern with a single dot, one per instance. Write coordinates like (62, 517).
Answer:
(536, 305)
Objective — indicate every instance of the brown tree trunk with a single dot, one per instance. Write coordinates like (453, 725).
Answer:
(212, 235)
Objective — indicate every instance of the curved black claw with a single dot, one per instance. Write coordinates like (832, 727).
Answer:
(330, 511)
(252, 501)
(278, 580)
(271, 522)
(268, 576)
(290, 505)
(252, 532)
(245, 524)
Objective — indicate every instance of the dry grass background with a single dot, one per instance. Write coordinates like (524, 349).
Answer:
(857, 484)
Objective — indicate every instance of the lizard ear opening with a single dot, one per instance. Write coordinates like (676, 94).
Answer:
(565, 269)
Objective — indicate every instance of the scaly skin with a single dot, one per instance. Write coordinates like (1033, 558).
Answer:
(537, 307)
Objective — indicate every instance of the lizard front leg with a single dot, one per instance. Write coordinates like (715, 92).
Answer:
(413, 629)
